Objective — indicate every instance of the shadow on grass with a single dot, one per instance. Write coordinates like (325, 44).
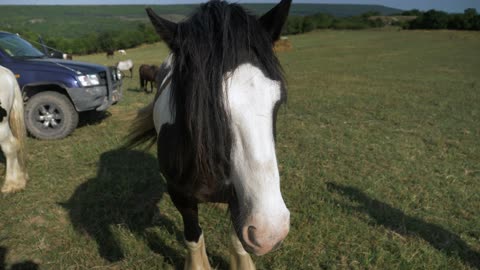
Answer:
(395, 220)
(140, 90)
(125, 193)
(92, 118)
(27, 265)
(135, 90)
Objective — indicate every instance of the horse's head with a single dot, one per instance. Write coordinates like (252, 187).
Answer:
(226, 74)
(259, 213)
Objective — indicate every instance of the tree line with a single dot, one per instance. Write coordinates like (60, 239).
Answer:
(433, 19)
(141, 33)
(96, 42)
(304, 24)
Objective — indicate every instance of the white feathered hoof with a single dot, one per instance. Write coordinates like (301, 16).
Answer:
(239, 258)
(14, 186)
(197, 256)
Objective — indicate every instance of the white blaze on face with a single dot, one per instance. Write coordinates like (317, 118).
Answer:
(251, 98)
(161, 111)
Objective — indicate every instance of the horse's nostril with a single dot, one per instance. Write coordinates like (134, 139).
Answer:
(251, 236)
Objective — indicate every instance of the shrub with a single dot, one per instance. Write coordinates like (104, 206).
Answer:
(432, 19)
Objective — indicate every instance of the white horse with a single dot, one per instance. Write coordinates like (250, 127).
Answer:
(126, 65)
(122, 52)
(12, 132)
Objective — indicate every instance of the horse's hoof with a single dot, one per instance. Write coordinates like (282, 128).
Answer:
(13, 187)
(241, 262)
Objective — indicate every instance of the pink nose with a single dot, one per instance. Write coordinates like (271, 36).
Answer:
(264, 238)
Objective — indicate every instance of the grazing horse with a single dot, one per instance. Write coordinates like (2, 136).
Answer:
(110, 53)
(125, 65)
(147, 73)
(60, 55)
(12, 132)
(213, 120)
(56, 55)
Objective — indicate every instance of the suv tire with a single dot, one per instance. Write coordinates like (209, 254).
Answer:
(50, 116)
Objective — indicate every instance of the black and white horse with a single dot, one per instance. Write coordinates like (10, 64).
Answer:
(213, 120)
(12, 132)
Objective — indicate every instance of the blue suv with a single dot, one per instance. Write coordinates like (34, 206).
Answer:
(55, 90)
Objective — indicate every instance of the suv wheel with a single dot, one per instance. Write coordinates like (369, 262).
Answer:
(50, 116)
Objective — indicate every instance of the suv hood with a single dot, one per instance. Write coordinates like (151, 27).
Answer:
(65, 65)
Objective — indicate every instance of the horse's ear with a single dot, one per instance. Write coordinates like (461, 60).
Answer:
(165, 28)
(274, 20)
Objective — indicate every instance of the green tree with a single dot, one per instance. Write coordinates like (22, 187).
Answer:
(308, 24)
(469, 15)
(105, 41)
(294, 25)
(476, 23)
(431, 19)
(323, 21)
(435, 19)
(369, 14)
(413, 12)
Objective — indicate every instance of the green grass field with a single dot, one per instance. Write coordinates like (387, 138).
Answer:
(378, 149)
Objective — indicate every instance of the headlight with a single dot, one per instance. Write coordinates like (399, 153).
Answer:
(119, 74)
(89, 80)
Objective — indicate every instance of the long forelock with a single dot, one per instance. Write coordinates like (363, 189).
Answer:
(213, 41)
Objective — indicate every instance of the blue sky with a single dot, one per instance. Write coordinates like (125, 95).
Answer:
(446, 5)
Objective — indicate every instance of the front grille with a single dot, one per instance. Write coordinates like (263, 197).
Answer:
(103, 78)
(113, 74)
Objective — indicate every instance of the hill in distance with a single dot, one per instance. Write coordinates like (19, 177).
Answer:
(337, 10)
(72, 21)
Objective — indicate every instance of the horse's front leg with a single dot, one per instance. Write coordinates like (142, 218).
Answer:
(16, 177)
(239, 258)
(197, 255)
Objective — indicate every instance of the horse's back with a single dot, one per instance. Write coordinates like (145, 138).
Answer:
(143, 68)
(148, 72)
(125, 65)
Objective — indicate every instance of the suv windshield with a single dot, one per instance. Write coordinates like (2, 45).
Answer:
(16, 47)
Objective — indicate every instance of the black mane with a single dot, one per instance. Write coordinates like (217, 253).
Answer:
(216, 39)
